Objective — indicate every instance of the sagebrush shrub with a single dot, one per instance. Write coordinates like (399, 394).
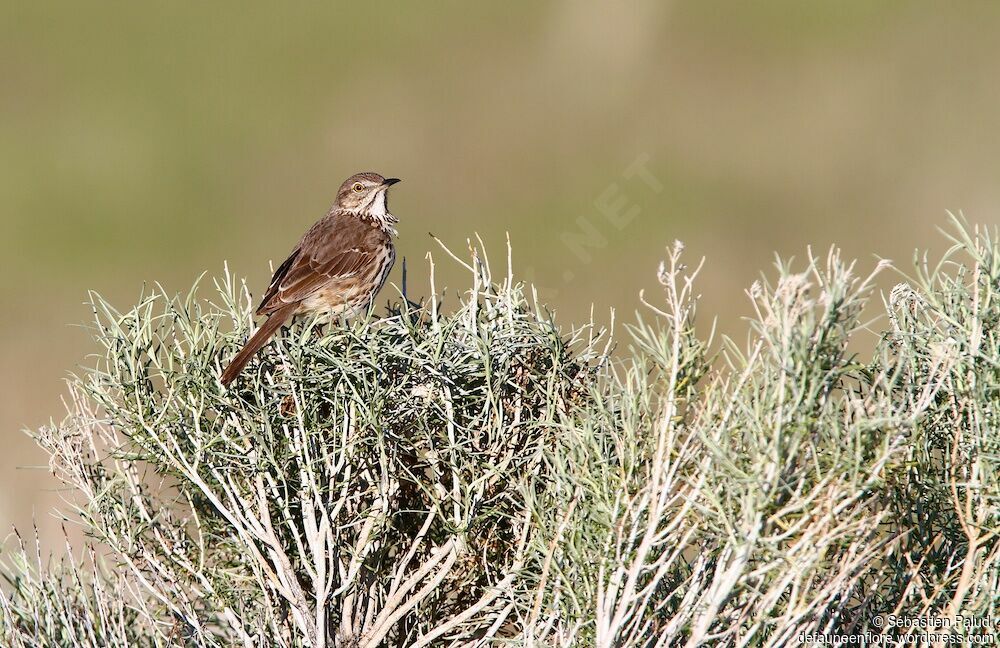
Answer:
(485, 477)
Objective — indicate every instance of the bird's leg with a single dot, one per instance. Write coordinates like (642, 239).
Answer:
(319, 327)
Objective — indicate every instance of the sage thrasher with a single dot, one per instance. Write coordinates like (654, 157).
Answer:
(336, 269)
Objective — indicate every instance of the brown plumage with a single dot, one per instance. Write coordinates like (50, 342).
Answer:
(337, 267)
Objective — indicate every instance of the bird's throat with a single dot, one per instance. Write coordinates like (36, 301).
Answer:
(378, 211)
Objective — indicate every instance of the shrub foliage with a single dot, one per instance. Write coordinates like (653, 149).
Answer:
(482, 476)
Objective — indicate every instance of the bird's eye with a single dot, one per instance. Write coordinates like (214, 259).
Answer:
(358, 187)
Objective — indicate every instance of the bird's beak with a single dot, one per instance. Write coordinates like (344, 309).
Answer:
(388, 182)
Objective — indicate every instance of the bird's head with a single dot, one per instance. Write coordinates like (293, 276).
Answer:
(364, 194)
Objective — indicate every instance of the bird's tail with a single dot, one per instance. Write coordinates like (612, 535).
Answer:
(254, 344)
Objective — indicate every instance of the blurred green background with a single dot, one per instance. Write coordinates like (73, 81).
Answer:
(146, 142)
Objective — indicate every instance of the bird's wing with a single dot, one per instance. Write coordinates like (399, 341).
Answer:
(333, 249)
(276, 280)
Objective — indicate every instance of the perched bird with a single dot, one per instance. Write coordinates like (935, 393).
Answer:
(337, 268)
